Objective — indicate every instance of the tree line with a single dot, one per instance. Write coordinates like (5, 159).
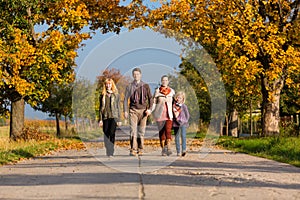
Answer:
(254, 43)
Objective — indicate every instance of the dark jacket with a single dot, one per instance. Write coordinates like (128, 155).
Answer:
(142, 90)
(114, 105)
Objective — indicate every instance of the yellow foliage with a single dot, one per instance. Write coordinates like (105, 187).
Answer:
(32, 65)
(251, 40)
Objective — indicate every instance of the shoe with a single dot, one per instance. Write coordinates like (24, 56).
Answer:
(178, 154)
(140, 153)
(183, 154)
(169, 151)
(132, 153)
(164, 151)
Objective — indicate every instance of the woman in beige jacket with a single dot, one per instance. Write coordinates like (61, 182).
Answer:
(163, 114)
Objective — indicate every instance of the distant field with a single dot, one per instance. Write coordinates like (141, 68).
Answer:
(4, 132)
(43, 126)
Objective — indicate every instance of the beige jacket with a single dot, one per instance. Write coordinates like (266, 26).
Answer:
(159, 100)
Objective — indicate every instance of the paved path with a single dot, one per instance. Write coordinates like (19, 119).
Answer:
(86, 174)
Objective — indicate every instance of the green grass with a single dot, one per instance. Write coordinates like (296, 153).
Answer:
(282, 149)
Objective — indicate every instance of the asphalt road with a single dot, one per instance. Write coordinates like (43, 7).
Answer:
(89, 174)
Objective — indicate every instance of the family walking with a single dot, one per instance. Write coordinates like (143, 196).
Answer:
(166, 106)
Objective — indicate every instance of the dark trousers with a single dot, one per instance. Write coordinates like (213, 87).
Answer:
(109, 129)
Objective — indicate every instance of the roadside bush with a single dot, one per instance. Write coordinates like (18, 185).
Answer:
(288, 129)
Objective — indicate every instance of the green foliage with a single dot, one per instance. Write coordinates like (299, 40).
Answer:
(199, 87)
(181, 82)
(290, 101)
(59, 102)
(289, 128)
(83, 106)
(4, 105)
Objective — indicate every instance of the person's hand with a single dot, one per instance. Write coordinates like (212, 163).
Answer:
(148, 112)
(126, 115)
(100, 123)
(119, 123)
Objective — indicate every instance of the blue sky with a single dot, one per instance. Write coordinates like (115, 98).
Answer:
(137, 48)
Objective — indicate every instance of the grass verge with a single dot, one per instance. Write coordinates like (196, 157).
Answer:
(11, 152)
(282, 149)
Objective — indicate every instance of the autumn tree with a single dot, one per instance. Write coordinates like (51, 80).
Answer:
(253, 41)
(197, 64)
(32, 61)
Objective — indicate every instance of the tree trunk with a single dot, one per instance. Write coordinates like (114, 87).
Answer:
(297, 124)
(227, 125)
(221, 128)
(251, 121)
(16, 118)
(66, 123)
(233, 125)
(270, 107)
(57, 124)
(76, 124)
(240, 125)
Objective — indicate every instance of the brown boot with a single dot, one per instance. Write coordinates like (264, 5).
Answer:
(169, 152)
(163, 151)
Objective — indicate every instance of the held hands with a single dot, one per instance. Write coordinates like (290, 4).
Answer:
(148, 112)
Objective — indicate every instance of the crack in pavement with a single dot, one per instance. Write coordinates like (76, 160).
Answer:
(141, 185)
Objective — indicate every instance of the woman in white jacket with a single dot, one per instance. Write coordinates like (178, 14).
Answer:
(163, 114)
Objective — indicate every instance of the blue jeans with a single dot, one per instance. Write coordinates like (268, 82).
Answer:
(180, 131)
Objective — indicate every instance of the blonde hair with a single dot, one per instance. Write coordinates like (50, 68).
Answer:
(113, 87)
(180, 93)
